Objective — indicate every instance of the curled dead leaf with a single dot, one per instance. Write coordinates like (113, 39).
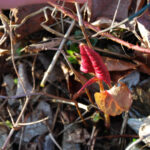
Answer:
(114, 101)
(118, 65)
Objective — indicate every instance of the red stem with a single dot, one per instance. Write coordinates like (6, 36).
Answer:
(96, 29)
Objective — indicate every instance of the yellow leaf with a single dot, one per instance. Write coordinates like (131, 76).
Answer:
(114, 101)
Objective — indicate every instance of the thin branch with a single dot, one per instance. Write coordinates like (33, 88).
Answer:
(33, 72)
(82, 25)
(123, 129)
(51, 66)
(55, 58)
(53, 139)
(137, 141)
(12, 120)
(31, 123)
(96, 29)
(80, 105)
(71, 124)
(92, 139)
(54, 99)
(4, 21)
(125, 20)
(115, 14)
(27, 97)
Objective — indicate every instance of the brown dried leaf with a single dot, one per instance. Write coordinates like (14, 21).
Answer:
(107, 8)
(32, 24)
(143, 62)
(114, 101)
(144, 58)
(118, 65)
(144, 68)
(117, 75)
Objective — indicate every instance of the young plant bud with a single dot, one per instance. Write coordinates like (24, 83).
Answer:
(91, 62)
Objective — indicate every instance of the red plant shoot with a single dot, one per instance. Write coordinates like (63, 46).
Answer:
(91, 62)
(111, 102)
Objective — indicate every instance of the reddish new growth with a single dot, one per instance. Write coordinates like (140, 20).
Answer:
(91, 62)
(112, 102)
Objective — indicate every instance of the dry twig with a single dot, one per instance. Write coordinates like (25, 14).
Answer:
(96, 29)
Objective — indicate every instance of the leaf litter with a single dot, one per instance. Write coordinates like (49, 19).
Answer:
(38, 48)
